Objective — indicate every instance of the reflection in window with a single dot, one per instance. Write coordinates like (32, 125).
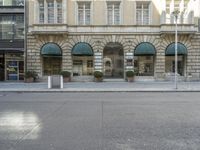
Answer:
(7, 27)
(12, 26)
(11, 2)
(19, 27)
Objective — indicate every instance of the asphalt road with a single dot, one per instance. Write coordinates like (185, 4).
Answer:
(100, 121)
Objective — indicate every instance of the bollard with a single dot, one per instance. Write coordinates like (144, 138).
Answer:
(49, 82)
(61, 82)
(55, 81)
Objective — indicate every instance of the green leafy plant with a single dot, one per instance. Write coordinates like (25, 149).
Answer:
(65, 73)
(31, 74)
(130, 73)
(98, 74)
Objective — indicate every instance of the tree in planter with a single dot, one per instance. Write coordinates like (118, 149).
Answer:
(130, 75)
(30, 76)
(98, 76)
(66, 76)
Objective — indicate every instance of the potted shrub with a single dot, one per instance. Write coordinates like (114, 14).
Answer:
(66, 76)
(98, 76)
(30, 76)
(130, 75)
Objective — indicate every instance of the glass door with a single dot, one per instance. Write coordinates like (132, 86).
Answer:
(77, 68)
(21, 70)
(12, 70)
(2, 67)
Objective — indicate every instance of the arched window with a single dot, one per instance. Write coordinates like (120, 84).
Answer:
(170, 58)
(82, 55)
(144, 58)
(52, 58)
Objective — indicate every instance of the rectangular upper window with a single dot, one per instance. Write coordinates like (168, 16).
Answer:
(41, 12)
(84, 13)
(59, 12)
(50, 7)
(113, 13)
(50, 13)
(143, 13)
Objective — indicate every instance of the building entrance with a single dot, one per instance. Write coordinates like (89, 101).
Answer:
(113, 59)
(2, 67)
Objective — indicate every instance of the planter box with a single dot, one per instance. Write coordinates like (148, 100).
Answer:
(130, 79)
(29, 80)
(66, 79)
(98, 79)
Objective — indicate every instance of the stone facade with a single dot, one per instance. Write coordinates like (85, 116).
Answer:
(129, 42)
(68, 34)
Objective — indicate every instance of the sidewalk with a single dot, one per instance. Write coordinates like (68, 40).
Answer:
(146, 86)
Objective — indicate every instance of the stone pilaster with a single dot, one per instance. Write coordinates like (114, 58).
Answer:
(33, 55)
(193, 59)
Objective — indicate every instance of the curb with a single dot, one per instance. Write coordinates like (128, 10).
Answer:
(96, 90)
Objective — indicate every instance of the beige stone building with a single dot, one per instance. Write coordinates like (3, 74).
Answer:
(113, 36)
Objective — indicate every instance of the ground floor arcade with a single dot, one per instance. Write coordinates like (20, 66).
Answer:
(151, 56)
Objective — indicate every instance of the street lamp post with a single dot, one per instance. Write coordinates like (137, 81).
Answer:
(175, 13)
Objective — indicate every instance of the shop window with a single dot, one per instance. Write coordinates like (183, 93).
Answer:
(12, 70)
(82, 66)
(144, 65)
(77, 67)
(52, 65)
(170, 65)
(15, 70)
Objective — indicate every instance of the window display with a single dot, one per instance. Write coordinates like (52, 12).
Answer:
(52, 65)
(170, 65)
(12, 70)
(82, 65)
(144, 65)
